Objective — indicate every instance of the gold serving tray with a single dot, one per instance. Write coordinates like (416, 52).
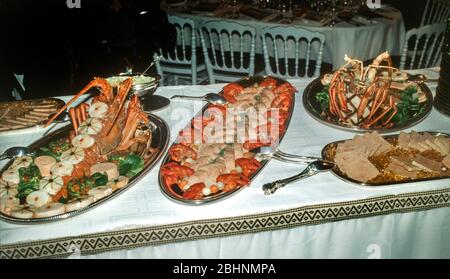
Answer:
(328, 153)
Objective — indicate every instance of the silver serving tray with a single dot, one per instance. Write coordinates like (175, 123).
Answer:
(342, 176)
(246, 82)
(160, 141)
(314, 110)
(32, 128)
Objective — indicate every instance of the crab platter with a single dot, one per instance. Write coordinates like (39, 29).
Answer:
(376, 97)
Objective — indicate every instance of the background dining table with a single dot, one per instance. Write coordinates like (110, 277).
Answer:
(320, 217)
(359, 37)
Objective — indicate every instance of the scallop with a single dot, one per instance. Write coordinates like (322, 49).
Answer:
(62, 168)
(90, 126)
(83, 141)
(7, 203)
(52, 184)
(22, 162)
(11, 175)
(98, 110)
(74, 155)
(7, 189)
(38, 198)
(23, 211)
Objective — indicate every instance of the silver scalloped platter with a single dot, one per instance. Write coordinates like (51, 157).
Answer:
(160, 140)
(342, 176)
(313, 108)
(219, 196)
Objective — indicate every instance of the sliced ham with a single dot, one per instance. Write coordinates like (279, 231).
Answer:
(444, 144)
(403, 140)
(381, 144)
(427, 164)
(398, 169)
(356, 166)
(446, 161)
(434, 146)
(414, 140)
(405, 162)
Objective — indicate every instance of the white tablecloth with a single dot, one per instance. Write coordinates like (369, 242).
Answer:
(143, 216)
(362, 42)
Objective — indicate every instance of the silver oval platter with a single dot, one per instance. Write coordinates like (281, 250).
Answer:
(205, 191)
(157, 143)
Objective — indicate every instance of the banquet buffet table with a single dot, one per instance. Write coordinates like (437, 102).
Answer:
(361, 37)
(319, 217)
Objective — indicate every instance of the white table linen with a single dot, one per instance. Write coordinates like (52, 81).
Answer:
(144, 205)
(361, 42)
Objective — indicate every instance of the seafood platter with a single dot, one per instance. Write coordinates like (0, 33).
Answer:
(27, 115)
(373, 160)
(210, 159)
(110, 145)
(359, 98)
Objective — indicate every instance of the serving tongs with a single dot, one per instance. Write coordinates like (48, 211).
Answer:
(312, 169)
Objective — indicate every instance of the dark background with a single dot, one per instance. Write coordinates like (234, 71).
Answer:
(59, 50)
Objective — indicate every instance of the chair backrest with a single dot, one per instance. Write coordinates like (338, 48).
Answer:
(422, 47)
(436, 11)
(228, 48)
(284, 46)
(184, 52)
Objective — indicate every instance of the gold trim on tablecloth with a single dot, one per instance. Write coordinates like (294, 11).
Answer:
(222, 227)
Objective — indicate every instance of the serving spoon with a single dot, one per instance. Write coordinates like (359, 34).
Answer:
(211, 98)
(16, 151)
(267, 152)
(312, 169)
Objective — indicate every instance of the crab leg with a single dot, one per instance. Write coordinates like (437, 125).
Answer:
(365, 100)
(385, 111)
(84, 109)
(73, 118)
(78, 114)
(391, 104)
(341, 96)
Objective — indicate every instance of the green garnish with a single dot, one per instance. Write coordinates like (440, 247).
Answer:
(222, 152)
(99, 179)
(408, 106)
(129, 165)
(323, 98)
(29, 181)
(79, 187)
(57, 147)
